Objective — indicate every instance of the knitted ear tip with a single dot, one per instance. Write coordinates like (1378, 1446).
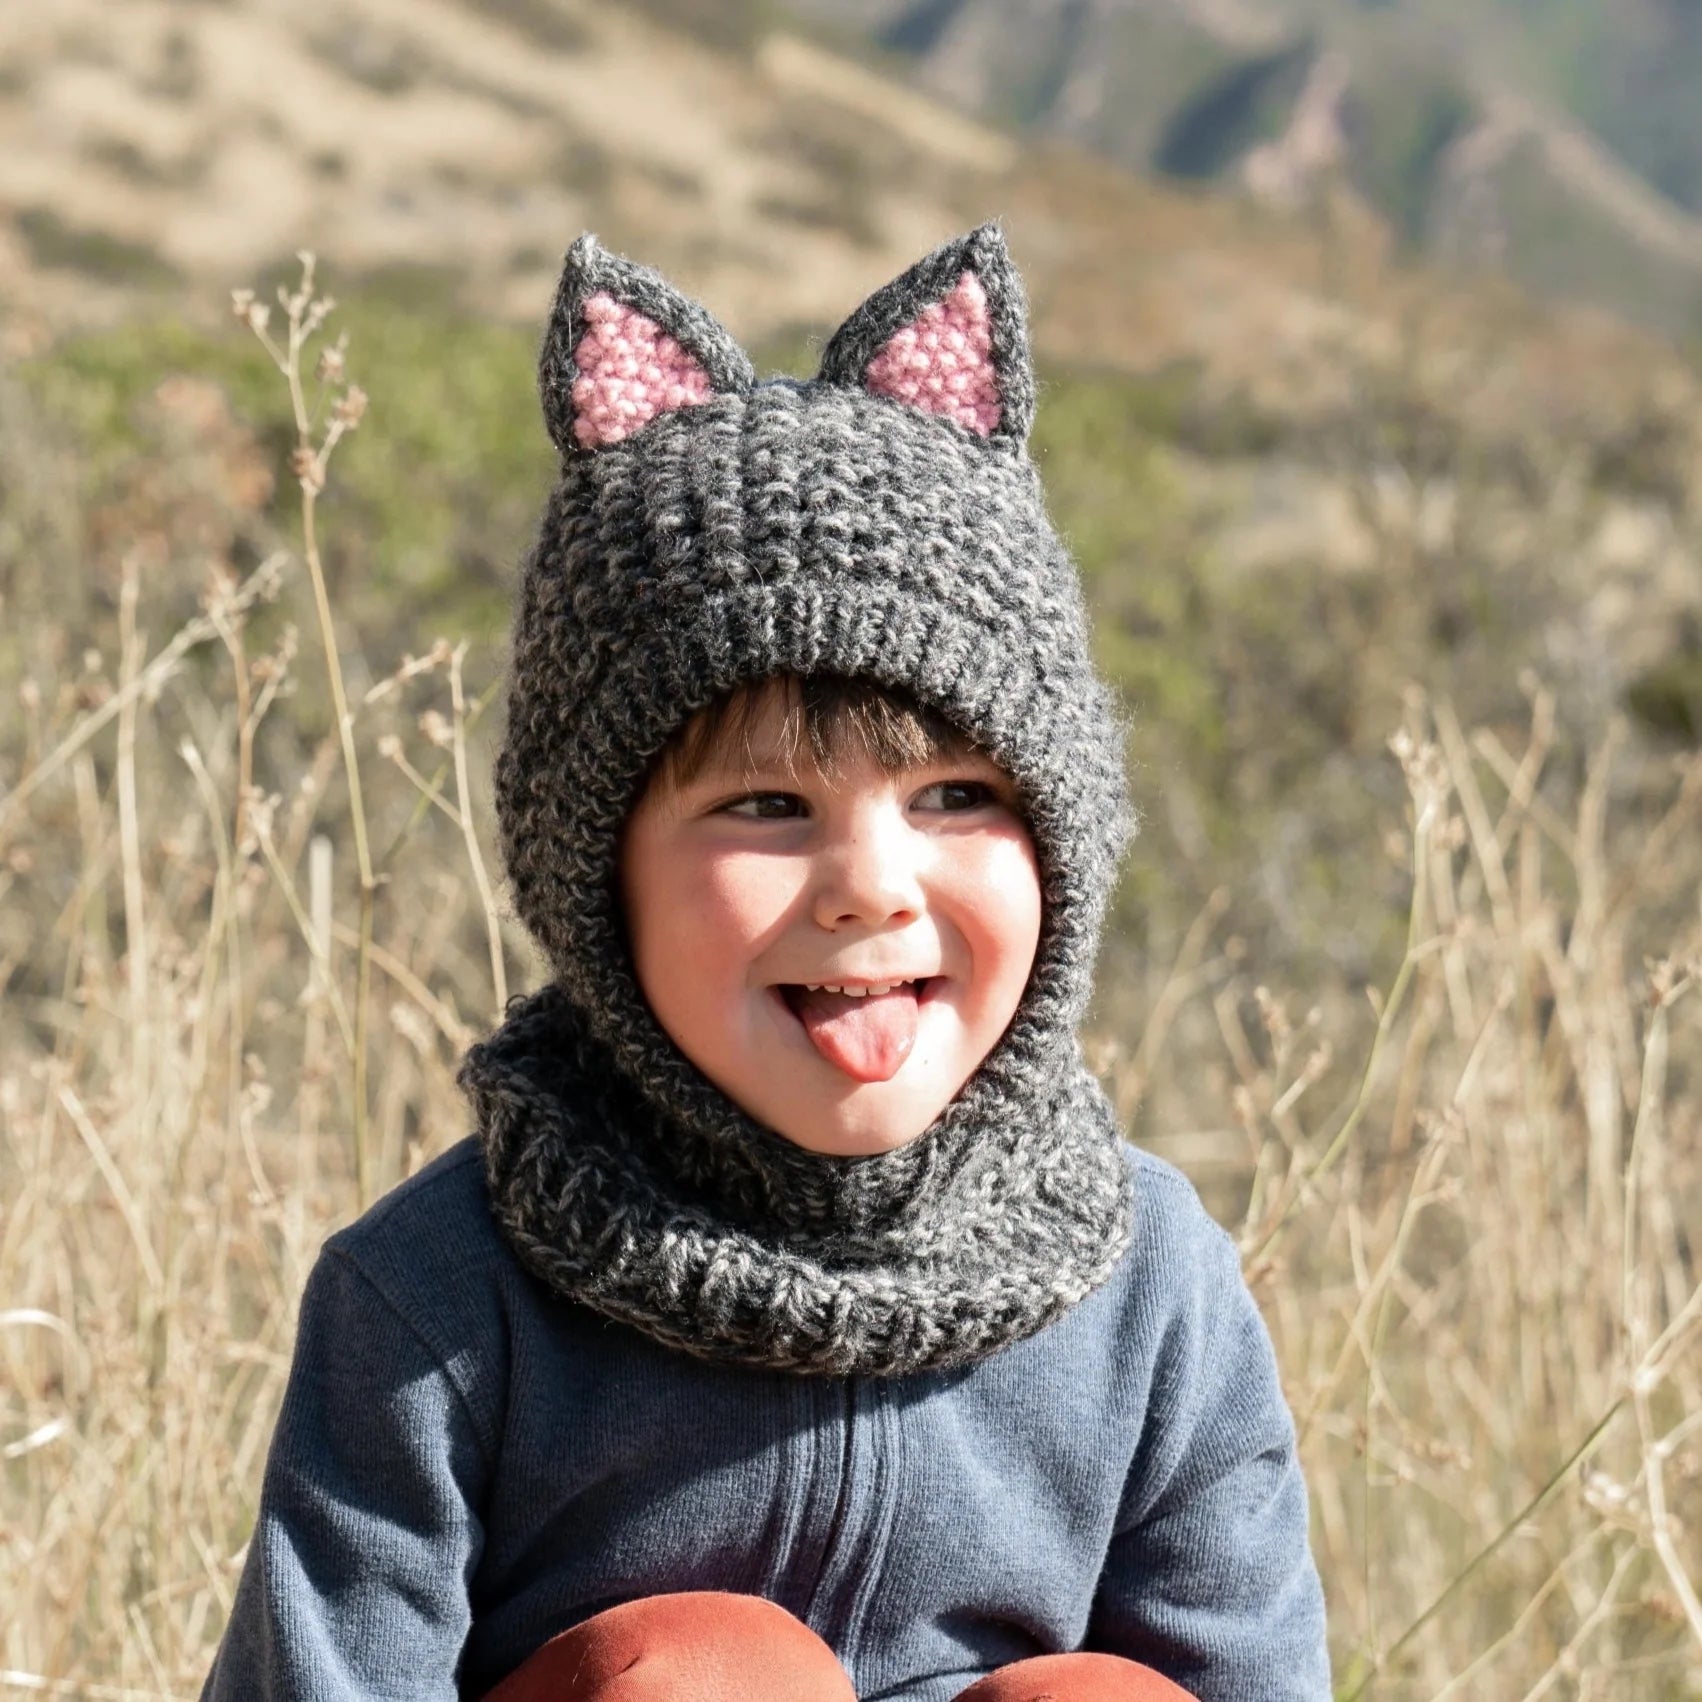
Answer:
(948, 338)
(579, 266)
(582, 253)
(941, 361)
(986, 249)
(624, 346)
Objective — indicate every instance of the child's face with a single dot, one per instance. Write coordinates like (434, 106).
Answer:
(758, 879)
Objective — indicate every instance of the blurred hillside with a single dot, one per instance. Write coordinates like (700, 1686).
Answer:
(1557, 140)
(171, 147)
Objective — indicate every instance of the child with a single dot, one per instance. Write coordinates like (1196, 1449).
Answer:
(796, 1325)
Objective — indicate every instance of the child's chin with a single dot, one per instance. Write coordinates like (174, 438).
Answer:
(857, 1137)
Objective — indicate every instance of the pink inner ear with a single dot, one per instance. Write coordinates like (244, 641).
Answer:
(942, 361)
(630, 370)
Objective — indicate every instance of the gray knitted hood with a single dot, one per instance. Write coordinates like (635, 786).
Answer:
(882, 521)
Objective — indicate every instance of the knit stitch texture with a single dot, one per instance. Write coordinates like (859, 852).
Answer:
(883, 521)
(630, 370)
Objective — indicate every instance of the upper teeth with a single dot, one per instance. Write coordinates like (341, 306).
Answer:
(853, 992)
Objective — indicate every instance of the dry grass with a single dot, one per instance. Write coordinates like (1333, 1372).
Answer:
(1479, 1265)
(1480, 1270)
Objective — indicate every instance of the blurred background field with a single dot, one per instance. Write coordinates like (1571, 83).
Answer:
(1371, 408)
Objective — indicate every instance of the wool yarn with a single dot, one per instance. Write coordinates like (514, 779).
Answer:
(885, 521)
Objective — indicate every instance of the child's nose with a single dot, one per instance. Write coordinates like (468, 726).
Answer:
(870, 875)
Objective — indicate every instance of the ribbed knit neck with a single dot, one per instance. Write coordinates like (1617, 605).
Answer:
(731, 1243)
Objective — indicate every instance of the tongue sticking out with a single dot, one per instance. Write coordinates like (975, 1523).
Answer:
(868, 1038)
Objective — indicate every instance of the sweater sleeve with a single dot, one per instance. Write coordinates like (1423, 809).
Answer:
(1209, 1577)
(356, 1582)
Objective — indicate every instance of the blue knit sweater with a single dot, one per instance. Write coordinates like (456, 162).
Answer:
(466, 1465)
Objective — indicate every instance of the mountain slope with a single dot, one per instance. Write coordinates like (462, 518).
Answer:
(1468, 129)
(1631, 72)
(168, 145)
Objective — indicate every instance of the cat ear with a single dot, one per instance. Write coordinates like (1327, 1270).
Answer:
(949, 337)
(623, 346)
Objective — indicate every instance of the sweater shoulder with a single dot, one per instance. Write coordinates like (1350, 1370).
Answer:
(440, 1213)
(1169, 1210)
(1180, 1263)
(432, 1250)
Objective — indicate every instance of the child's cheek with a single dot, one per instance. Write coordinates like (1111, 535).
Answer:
(738, 905)
(1000, 890)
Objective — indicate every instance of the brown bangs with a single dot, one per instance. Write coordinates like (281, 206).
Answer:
(830, 720)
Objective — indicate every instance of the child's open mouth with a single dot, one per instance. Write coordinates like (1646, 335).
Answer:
(865, 1029)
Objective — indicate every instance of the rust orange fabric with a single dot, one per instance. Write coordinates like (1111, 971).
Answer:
(710, 1646)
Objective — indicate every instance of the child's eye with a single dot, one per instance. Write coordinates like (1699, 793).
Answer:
(955, 795)
(766, 806)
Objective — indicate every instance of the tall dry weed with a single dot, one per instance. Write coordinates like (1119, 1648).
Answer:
(241, 1019)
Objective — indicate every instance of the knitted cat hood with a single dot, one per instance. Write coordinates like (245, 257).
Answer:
(882, 521)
